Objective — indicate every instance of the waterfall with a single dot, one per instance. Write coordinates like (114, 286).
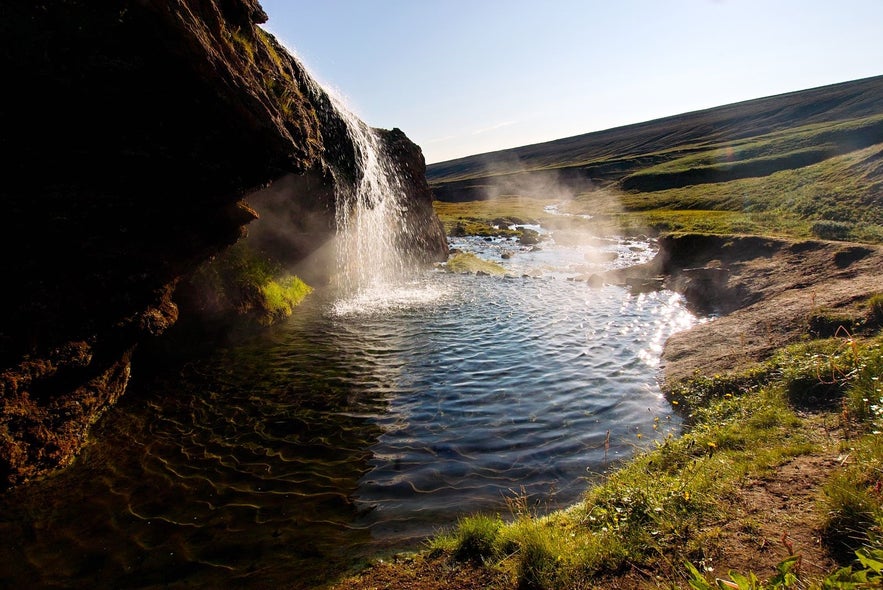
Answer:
(371, 229)
(369, 215)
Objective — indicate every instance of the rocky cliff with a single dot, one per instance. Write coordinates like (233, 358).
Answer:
(134, 132)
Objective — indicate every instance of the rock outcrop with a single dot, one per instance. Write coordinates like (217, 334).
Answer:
(134, 132)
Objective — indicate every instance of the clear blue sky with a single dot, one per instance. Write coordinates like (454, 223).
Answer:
(461, 77)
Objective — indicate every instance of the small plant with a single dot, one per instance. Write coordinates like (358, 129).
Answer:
(868, 573)
(875, 308)
(785, 578)
(476, 537)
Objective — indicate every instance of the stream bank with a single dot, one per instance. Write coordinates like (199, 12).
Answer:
(776, 292)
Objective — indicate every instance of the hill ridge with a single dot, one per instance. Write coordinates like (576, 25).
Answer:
(735, 121)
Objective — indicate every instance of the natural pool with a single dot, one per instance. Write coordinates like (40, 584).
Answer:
(358, 426)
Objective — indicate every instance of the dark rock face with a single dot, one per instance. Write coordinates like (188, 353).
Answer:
(133, 131)
(428, 244)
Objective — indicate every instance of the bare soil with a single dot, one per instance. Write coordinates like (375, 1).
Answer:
(773, 288)
(422, 572)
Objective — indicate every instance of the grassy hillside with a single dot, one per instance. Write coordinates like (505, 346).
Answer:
(796, 164)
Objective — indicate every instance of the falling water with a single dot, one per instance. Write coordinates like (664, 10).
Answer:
(369, 216)
(369, 210)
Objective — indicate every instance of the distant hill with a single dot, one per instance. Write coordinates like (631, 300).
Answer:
(750, 139)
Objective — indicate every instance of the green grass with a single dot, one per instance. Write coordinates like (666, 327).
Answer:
(474, 538)
(511, 209)
(807, 139)
(847, 189)
(838, 198)
(852, 499)
(822, 180)
(661, 508)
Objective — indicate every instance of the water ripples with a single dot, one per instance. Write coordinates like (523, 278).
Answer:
(357, 425)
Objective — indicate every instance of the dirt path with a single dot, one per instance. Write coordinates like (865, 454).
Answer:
(780, 516)
(424, 573)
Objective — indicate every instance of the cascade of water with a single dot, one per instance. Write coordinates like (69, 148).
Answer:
(369, 210)
(369, 216)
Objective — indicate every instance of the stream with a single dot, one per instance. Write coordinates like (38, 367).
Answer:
(357, 427)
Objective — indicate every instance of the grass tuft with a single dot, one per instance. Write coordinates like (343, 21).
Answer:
(875, 310)
(476, 537)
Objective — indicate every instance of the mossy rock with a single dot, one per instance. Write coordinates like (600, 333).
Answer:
(280, 296)
(464, 262)
(244, 282)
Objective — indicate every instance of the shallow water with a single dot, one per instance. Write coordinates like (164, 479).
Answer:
(356, 427)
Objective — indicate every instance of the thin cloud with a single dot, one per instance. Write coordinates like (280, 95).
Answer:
(493, 127)
(441, 139)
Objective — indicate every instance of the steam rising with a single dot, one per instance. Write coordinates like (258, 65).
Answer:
(572, 208)
(364, 250)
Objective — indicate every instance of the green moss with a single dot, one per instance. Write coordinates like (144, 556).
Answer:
(246, 282)
(281, 296)
(464, 262)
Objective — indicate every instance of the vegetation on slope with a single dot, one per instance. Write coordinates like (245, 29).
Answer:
(838, 198)
(622, 150)
(806, 177)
